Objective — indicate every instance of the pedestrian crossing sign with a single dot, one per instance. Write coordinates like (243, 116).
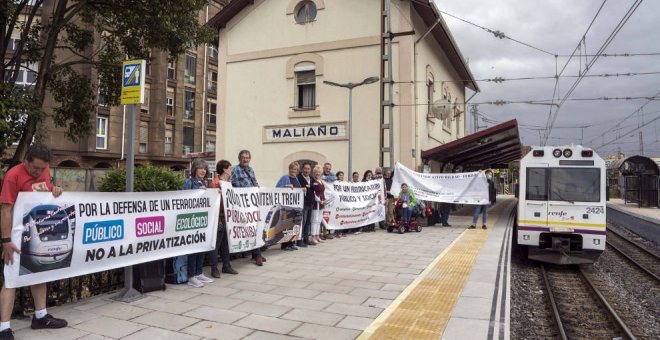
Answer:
(132, 85)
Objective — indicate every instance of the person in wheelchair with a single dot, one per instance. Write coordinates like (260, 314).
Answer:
(407, 204)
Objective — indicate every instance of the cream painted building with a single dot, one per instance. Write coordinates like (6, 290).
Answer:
(274, 56)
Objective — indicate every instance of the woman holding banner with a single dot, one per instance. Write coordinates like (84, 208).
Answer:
(290, 181)
(317, 210)
(196, 277)
(223, 171)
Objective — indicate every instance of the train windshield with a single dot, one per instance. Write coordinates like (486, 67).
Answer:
(575, 184)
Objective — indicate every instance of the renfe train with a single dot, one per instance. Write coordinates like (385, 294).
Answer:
(561, 204)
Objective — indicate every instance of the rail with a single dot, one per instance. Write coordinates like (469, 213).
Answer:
(599, 297)
(630, 258)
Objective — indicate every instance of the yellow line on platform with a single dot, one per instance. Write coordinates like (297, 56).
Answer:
(423, 309)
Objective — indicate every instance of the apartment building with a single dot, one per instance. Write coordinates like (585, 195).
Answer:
(177, 118)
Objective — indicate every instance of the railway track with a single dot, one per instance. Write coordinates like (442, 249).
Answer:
(579, 308)
(641, 257)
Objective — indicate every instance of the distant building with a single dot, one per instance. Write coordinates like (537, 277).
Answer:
(177, 118)
(274, 56)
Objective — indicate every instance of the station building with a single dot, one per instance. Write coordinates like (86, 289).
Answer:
(274, 56)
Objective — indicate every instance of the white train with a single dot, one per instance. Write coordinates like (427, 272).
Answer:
(562, 204)
(47, 241)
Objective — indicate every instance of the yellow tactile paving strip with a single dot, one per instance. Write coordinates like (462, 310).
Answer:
(423, 309)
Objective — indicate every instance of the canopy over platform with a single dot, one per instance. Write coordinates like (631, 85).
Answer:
(494, 147)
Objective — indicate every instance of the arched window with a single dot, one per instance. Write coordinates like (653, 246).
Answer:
(305, 92)
(305, 12)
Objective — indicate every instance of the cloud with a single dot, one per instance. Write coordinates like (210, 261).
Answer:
(557, 26)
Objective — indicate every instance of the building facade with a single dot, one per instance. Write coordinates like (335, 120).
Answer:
(274, 56)
(178, 117)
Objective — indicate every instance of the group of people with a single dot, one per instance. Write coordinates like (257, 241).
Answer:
(33, 174)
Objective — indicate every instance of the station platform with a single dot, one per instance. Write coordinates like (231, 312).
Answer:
(649, 214)
(443, 282)
(642, 221)
(464, 292)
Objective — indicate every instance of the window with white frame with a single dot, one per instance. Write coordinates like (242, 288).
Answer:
(144, 137)
(102, 133)
(144, 107)
(210, 145)
(211, 113)
(171, 70)
(213, 51)
(169, 102)
(189, 103)
(190, 69)
(169, 138)
(213, 81)
(305, 95)
(27, 76)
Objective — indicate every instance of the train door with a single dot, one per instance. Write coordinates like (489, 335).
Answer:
(535, 211)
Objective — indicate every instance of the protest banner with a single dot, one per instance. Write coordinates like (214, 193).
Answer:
(461, 187)
(259, 216)
(81, 232)
(353, 205)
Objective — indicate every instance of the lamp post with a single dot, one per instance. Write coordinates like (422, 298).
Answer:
(350, 87)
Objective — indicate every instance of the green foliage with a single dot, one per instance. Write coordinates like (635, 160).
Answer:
(78, 35)
(147, 178)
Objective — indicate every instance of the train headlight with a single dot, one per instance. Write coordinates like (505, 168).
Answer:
(556, 153)
(538, 153)
(568, 153)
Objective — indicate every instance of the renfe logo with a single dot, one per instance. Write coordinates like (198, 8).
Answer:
(103, 231)
(147, 226)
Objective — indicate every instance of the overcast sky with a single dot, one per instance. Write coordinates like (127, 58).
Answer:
(557, 26)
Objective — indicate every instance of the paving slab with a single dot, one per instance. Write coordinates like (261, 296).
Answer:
(215, 314)
(313, 331)
(268, 324)
(309, 316)
(160, 334)
(111, 327)
(215, 330)
(166, 320)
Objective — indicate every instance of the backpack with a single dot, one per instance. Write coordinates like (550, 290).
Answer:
(177, 270)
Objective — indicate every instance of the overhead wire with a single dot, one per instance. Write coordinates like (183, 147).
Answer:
(602, 48)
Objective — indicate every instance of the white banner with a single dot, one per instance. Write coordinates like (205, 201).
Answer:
(259, 216)
(352, 205)
(80, 232)
(462, 187)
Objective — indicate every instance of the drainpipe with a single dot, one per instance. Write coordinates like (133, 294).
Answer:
(204, 88)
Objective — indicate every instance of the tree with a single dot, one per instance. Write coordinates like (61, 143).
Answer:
(91, 33)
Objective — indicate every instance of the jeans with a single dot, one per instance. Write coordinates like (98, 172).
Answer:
(195, 264)
(307, 223)
(222, 243)
(444, 218)
(480, 209)
(406, 213)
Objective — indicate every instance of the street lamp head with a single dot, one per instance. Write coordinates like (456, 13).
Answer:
(371, 80)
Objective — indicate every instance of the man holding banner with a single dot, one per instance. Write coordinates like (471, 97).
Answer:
(243, 176)
(33, 174)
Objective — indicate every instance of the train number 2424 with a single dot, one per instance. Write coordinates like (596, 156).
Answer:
(595, 210)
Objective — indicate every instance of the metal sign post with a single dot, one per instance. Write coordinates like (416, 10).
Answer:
(132, 92)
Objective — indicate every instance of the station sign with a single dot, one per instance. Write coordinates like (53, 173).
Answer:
(310, 132)
(132, 84)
